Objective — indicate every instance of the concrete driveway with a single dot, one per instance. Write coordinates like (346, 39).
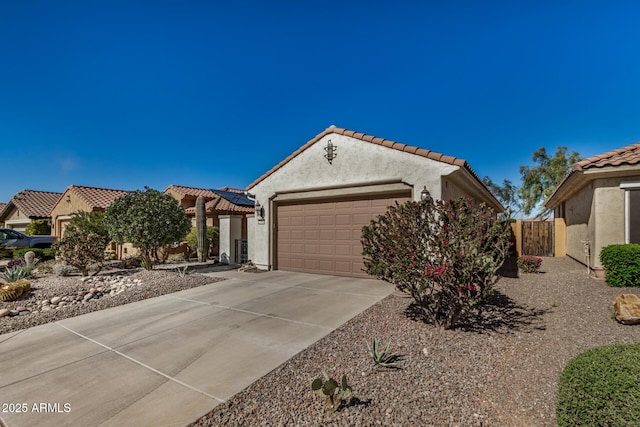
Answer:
(168, 360)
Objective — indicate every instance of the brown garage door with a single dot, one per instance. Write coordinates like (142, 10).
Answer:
(324, 236)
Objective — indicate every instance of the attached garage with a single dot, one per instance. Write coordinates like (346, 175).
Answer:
(323, 236)
(311, 207)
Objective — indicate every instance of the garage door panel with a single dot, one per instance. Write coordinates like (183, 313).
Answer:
(324, 236)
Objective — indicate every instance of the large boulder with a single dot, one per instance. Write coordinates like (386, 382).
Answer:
(627, 309)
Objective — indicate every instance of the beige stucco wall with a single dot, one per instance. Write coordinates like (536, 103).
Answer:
(595, 213)
(68, 204)
(16, 220)
(357, 163)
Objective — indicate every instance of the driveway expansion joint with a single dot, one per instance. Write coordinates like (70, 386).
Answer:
(144, 365)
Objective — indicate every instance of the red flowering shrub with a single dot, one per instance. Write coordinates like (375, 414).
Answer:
(445, 254)
(529, 264)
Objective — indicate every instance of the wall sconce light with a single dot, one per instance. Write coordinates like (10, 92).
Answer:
(424, 194)
(259, 209)
(331, 152)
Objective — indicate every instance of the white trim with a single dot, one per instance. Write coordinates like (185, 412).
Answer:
(627, 187)
(21, 221)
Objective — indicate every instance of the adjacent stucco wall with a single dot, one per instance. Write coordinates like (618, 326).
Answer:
(579, 220)
(68, 204)
(357, 163)
(16, 220)
(609, 209)
(596, 214)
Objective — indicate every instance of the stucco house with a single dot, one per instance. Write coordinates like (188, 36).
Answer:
(27, 206)
(310, 207)
(224, 211)
(78, 198)
(599, 202)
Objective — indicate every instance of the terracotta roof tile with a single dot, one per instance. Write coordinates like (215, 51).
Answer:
(629, 155)
(193, 191)
(35, 204)
(220, 204)
(375, 140)
(97, 198)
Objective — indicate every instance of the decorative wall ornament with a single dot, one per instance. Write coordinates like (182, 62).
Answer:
(331, 152)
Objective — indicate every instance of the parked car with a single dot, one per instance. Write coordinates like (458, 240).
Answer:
(20, 240)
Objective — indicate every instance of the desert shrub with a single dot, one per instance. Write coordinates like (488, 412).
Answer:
(39, 227)
(42, 254)
(445, 254)
(529, 264)
(61, 269)
(622, 264)
(46, 267)
(181, 257)
(149, 220)
(212, 238)
(81, 251)
(600, 388)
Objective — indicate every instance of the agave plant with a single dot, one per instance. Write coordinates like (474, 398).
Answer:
(382, 356)
(333, 393)
(16, 273)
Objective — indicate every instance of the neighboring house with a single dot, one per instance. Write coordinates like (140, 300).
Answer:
(2, 206)
(77, 198)
(220, 205)
(27, 206)
(310, 208)
(599, 202)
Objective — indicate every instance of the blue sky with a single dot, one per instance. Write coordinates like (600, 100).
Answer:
(123, 94)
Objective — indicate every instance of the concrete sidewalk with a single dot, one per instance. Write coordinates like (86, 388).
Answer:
(168, 360)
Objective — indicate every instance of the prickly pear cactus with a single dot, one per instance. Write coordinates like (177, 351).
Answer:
(333, 393)
(13, 291)
(201, 229)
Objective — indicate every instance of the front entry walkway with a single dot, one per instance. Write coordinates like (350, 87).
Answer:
(166, 361)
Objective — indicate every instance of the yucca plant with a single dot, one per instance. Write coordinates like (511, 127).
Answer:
(382, 356)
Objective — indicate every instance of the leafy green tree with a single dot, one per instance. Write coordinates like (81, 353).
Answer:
(149, 220)
(39, 227)
(87, 222)
(539, 182)
(507, 193)
(445, 254)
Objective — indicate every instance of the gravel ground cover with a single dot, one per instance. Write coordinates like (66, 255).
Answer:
(499, 369)
(53, 298)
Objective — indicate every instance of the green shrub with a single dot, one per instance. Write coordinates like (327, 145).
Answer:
(529, 264)
(445, 254)
(622, 264)
(39, 227)
(600, 388)
(42, 254)
(80, 251)
(212, 238)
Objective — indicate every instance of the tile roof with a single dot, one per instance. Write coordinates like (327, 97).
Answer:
(33, 203)
(629, 155)
(220, 204)
(378, 141)
(192, 191)
(625, 156)
(97, 197)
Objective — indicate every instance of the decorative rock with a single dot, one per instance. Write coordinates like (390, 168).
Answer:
(14, 313)
(88, 296)
(4, 312)
(23, 312)
(46, 308)
(55, 300)
(627, 309)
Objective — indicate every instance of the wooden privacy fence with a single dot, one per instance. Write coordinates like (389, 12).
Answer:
(538, 237)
